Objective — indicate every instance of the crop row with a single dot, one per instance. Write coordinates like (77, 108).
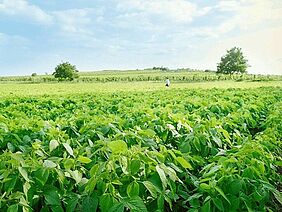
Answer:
(154, 77)
(174, 150)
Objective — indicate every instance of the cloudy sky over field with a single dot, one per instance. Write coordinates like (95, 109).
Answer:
(127, 34)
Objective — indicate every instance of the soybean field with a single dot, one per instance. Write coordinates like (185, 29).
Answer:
(151, 148)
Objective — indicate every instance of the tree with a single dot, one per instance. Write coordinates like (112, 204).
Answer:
(65, 71)
(233, 62)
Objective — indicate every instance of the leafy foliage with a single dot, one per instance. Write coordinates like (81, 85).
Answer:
(178, 150)
(233, 62)
(65, 71)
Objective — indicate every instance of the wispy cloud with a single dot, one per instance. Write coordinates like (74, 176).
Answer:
(172, 10)
(22, 9)
(249, 15)
(73, 20)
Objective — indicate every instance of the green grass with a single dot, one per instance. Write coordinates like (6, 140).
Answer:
(17, 89)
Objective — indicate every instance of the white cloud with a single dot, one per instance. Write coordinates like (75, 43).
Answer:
(245, 16)
(70, 21)
(250, 14)
(176, 10)
(73, 20)
(22, 8)
(228, 5)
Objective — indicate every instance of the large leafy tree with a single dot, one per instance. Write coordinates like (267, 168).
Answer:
(65, 71)
(233, 62)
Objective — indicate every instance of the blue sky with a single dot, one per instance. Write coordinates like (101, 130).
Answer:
(37, 35)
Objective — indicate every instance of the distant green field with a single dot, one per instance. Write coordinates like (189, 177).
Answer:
(65, 88)
(185, 75)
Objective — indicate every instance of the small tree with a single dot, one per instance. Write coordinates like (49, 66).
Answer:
(233, 62)
(65, 71)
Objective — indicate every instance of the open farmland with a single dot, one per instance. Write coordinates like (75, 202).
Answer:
(141, 147)
(147, 75)
(66, 88)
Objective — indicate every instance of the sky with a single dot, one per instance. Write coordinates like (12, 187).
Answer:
(37, 35)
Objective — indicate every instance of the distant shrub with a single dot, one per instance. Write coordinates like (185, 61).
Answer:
(161, 68)
(65, 71)
(233, 62)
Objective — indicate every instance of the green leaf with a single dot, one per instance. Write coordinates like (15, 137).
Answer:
(148, 132)
(168, 200)
(26, 187)
(134, 166)
(23, 172)
(235, 186)
(133, 189)
(10, 184)
(136, 204)
(41, 175)
(218, 203)
(248, 205)
(213, 170)
(57, 208)
(170, 172)
(83, 159)
(49, 164)
(184, 163)
(24, 203)
(205, 186)
(161, 203)
(71, 203)
(206, 207)
(226, 135)
(52, 197)
(222, 194)
(90, 204)
(118, 146)
(53, 145)
(91, 184)
(151, 188)
(68, 148)
(159, 156)
(162, 176)
(13, 208)
(76, 175)
(39, 152)
(106, 202)
(278, 196)
(94, 170)
(116, 182)
(123, 164)
(11, 147)
(217, 141)
(118, 207)
(235, 203)
(69, 163)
